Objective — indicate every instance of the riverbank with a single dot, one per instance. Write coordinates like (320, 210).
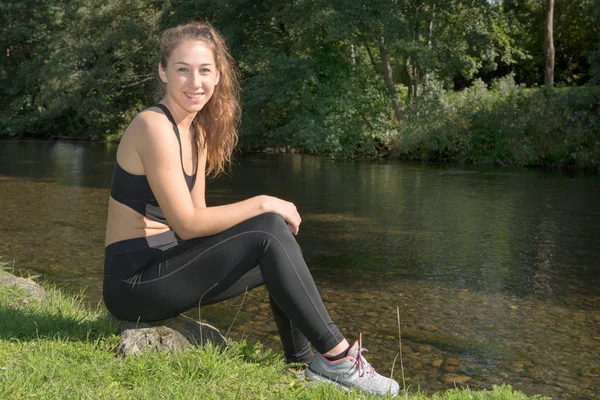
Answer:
(505, 124)
(58, 348)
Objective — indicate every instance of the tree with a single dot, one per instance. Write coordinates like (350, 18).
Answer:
(339, 75)
(594, 56)
(104, 71)
(336, 76)
(549, 45)
(575, 30)
(29, 33)
(76, 68)
(389, 81)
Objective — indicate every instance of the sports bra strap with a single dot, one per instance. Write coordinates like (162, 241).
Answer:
(165, 109)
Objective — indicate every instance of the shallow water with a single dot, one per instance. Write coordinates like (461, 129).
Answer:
(495, 272)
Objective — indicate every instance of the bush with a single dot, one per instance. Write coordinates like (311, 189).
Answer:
(506, 124)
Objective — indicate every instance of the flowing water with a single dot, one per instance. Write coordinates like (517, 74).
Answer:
(495, 272)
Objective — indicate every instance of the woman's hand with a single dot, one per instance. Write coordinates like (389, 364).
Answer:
(287, 210)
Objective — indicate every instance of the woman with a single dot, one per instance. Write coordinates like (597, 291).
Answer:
(167, 252)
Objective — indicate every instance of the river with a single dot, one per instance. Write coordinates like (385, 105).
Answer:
(495, 271)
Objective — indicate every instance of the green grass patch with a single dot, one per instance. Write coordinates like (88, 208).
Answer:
(61, 349)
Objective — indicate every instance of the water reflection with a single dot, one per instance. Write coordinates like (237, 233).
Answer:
(495, 272)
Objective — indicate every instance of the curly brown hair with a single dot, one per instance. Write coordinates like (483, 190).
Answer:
(215, 126)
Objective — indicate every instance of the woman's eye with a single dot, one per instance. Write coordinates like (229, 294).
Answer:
(182, 69)
(205, 71)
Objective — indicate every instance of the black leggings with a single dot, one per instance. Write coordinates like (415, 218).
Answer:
(158, 277)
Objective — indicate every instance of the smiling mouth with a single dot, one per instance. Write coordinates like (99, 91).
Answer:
(194, 95)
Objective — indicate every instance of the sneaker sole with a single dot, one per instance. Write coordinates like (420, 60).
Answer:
(315, 377)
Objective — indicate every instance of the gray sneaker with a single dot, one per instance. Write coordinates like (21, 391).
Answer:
(353, 371)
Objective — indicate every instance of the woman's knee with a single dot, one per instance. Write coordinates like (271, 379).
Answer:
(271, 223)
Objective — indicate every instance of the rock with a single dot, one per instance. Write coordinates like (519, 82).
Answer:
(437, 363)
(431, 327)
(450, 368)
(136, 341)
(448, 379)
(584, 383)
(570, 384)
(172, 334)
(539, 373)
(31, 290)
(423, 348)
(452, 361)
(516, 367)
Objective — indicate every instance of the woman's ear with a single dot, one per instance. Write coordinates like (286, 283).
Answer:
(162, 73)
(218, 78)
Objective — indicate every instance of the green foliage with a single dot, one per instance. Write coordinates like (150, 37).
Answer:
(27, 38)
(506, 124)
(313, 71)
(595, 55)
(314, 82)
(110, 72)
(300, 87)
(575, 36)
(76, 68)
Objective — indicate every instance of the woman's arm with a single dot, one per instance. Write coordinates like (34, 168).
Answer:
(187, 214)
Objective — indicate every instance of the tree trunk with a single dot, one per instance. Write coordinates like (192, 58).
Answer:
(389, 81)
(373, 63)
(410, 80)
(549, 45)
(416, 76)
(430, 32)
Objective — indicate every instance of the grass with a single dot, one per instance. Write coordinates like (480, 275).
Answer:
(61, 349)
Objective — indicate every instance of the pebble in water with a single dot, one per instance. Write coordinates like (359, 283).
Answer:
(449, 379)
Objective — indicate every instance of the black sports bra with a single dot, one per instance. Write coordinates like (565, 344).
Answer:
(134, 190)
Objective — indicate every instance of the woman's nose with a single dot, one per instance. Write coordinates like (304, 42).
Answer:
(196, 79)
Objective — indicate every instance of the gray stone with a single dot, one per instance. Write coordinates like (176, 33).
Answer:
(30, 289)
(136, 341)
(172, 334)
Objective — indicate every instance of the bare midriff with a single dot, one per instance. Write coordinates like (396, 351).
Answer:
(124, 223)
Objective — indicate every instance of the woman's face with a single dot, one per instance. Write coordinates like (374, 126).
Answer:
(191, 75)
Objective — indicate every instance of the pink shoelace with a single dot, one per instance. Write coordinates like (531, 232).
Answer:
(362, 364)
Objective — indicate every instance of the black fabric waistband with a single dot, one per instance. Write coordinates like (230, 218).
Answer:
(161, 240)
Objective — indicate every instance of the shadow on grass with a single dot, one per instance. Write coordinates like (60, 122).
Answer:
(38, 323)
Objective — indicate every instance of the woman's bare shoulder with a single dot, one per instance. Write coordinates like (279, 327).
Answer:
(149, 135)
(151, 122)
(149, 129)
